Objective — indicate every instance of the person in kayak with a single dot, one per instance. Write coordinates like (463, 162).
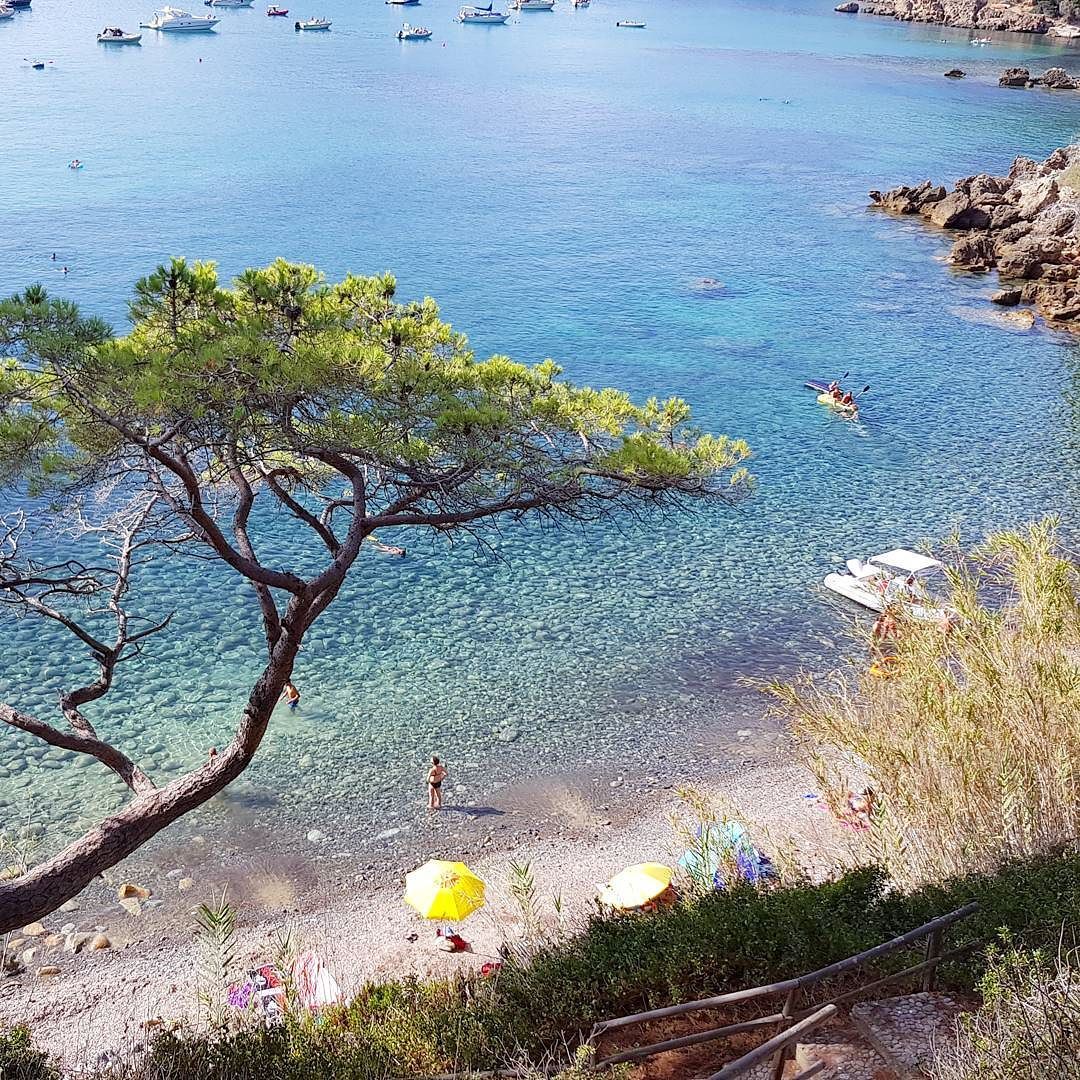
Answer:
(847, 399)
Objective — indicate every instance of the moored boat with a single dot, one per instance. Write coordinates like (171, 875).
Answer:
(631, 24)
(473, 13)
(229, 3)
(113, 35)
(6, 12)
(313, 24)
(277, 11)
(580, 3)
(177, 21)
(413, 33)
(404, 3)
(896, 579)
(533, 5)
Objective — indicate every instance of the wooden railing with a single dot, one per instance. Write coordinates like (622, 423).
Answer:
(797, 1020)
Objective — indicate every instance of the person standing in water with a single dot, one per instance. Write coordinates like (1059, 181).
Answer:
(290, 695)
(435, 777)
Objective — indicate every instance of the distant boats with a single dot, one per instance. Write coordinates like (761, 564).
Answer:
(313, 24)
(113, 35)
(473, 13)
(277, 11)
(404, 3)
(413, 33)
(533, 5)
(580, 3)
(631, 24)
(229, 3)
(174, 20)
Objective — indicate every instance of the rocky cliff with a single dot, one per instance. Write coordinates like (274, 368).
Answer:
(1022, 16)
(1025, 225)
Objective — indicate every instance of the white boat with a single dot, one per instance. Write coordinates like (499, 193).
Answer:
(533, 5)
(981, 41)
(471, 13)
(313, 24)
(413, 33)
(580, 3)
(7, 12)
(896, 578)
(404, 3)
(113, 35)
(631, 24)
(229, 3)
(173, 19)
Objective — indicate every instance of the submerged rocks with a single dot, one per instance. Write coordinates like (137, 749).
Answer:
(954, 73)
(850, 8)
(1025, 225)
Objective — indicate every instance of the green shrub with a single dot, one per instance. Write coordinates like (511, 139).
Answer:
(19, 1060)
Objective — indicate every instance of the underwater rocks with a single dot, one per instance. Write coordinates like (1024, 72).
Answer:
(972, 14)
(954, 73)
(1025, 225)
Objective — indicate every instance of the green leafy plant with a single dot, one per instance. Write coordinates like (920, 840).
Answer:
(215, 936)
(21, 1060)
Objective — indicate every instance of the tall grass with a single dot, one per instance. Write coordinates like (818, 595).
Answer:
(972, 745)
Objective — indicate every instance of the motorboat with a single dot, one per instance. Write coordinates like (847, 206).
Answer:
(404, 3)
(413, 33)
(229, 3)
(313, 24)
(472, 13)
(7, 12)
(631, 24)
(113, 35)
(580, 3)
(277, 11)
(897, 578)
(981, 41)
(174, 20)
(533, 5)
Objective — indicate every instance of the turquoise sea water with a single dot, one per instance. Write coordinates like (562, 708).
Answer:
(560, 186)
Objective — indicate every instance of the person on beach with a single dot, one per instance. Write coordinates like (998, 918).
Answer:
(290, 695)
(435, 777)
(883, 636)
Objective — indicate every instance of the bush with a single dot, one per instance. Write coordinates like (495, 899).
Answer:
(19, 1060)
(1028, 1027)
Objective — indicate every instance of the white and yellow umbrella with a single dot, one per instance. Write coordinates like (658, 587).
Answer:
(444, 890)
(636, 886)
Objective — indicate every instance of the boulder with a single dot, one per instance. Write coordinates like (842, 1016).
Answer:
(1016, 262)
(983, 187)
(1060, 303)
(1023, 168)
(1022, 320)
(954, 73)
(47, 971)
(1001, 217)
(1006, 297)
(133, 892)
(1015, 76)
(955, 211)
(35, 929)
(1065, 31)
(97, 943)
(1036, 196)
(1058, 79)
(850, 8)
(1058, 160)
(973, 252)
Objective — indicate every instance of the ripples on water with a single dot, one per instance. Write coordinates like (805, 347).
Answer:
(561, 187)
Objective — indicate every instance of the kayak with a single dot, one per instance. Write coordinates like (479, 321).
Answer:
(836, 406)
(819, 385)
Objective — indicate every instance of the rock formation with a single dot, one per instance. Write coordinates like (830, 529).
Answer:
(1053, 79)
(1025, 225)
(954, 73)
(1018, 15)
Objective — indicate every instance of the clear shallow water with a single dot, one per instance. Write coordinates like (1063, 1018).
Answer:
(559, 185)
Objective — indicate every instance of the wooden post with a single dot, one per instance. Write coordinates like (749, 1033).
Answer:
(786, 1052)
(933, 951)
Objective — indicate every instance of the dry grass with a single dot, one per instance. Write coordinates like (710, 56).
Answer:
(973, 745)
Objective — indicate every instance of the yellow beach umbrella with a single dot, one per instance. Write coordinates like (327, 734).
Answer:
(636, 886)
(444, 890)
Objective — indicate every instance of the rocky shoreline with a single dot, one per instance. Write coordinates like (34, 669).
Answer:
(1019, 17)
(1025, 225)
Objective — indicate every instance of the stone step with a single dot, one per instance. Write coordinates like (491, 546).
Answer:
(906, 1030)
(845, 1057)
